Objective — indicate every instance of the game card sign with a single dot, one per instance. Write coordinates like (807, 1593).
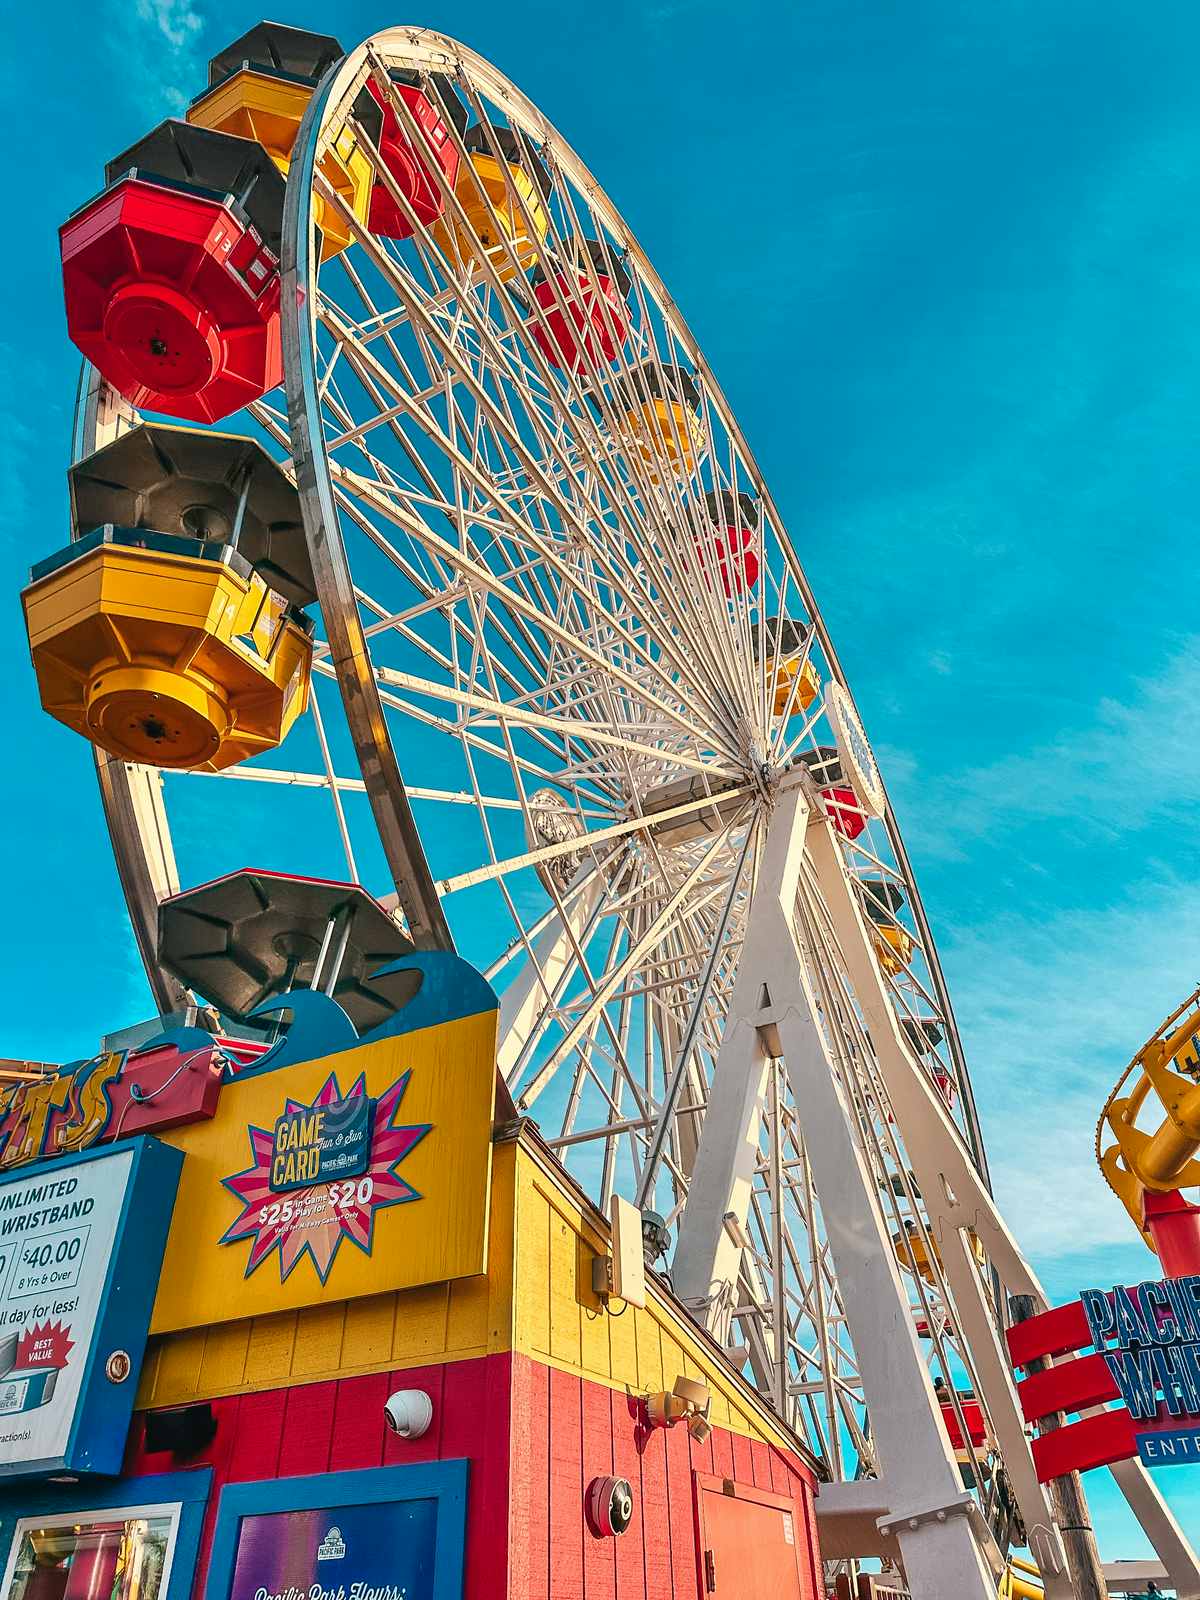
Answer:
(70, 1228)
(318, 1144)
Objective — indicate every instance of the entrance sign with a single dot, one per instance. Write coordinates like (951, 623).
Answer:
(1146, 1340)
(1149, 1337)
(70, 1230)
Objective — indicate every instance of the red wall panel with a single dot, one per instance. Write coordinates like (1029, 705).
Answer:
(535, 1437)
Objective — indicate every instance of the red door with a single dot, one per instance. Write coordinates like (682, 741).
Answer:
(751, 1547)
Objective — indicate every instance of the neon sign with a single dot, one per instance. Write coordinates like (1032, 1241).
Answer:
(115, 1094)
(1146, 1340)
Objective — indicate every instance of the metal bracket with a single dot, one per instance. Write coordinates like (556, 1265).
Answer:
(963, 1505)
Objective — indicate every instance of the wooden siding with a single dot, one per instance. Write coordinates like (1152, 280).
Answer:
(339, 1426)
(407, 1328)
(569, 1430)
(535, 1435)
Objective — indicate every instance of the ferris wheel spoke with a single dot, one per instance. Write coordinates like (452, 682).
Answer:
(480, 577)
(484, 479)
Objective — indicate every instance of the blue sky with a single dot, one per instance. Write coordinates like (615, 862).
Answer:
(944, 257)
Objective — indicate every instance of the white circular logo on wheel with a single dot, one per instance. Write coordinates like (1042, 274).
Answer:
(854, 748)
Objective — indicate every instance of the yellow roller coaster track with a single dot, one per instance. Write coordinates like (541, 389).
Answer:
(1167, 1067)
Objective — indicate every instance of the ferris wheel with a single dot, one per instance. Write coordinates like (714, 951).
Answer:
(500, 620)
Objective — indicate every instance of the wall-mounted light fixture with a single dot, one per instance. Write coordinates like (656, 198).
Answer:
(689, 1401)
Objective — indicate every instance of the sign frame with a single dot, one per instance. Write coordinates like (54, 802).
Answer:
(100, 1423)
(443, 1481)
(184, 1494)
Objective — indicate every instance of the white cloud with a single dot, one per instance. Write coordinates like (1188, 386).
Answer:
(1052, 1008)
(1131, 764)
(176, 20)
(156, 45)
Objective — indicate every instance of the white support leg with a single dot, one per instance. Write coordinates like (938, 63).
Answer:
(536, 984)
(944, 1544)
(704, 1269)
(945, 1547)
(956, 1198)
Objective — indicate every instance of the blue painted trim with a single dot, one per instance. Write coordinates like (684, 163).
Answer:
(319, 1027)
(451, 989)
(96, 1442)
(188, 1490)
(443, 1481)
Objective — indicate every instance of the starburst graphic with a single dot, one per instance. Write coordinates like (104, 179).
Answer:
(314, 1221)
(46, 1344)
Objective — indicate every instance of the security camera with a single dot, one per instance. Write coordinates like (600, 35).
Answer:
(409, 1413)
(609, 1506)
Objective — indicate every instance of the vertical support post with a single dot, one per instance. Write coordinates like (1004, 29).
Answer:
(935, 1522)
(704, 1270)
(1066, 1494)
(953, 1197)
(1174, 1225)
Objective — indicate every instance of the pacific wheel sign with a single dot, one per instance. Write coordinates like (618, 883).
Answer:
(1146, 1342)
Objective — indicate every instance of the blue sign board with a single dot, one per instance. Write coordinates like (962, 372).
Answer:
(371, 1552)
(319, 1144)
(382, 1533)
(81, 1245)
(1172, 1447)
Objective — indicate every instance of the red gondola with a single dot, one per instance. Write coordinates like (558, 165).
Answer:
(171, 275)
(411, 161)
(735, 519)
(841, 803)
(594, 297)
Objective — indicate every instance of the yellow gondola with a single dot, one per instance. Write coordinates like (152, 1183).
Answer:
(503, 199)
(259, 89)
(662, 412)
(169, 633)
(785, 644)
(912, 1253)
(165, 651)
(893, 944)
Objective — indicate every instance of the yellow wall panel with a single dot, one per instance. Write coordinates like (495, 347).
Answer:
(319, 1332)
(180, 1364)
(531, 1287)
(368, 1333)
(271, 1350)
(439, 1235)
(565, 1311)
(225, 1350)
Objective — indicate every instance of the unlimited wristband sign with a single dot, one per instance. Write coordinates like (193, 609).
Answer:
(63, 1226)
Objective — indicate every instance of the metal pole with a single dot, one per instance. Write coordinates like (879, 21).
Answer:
(1066, 1493)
